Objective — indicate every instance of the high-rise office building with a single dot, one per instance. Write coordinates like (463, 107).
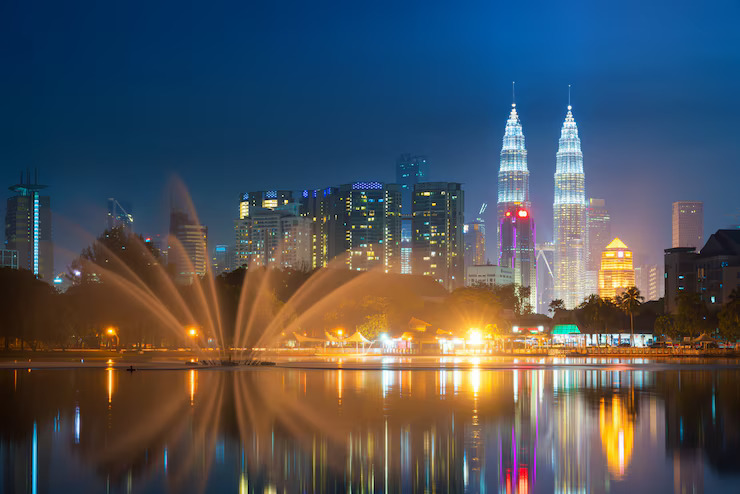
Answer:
(266, 199)
(569, 216)
(120, 215)
(680, 274)
(326, 209)
(598, 225)
(688, 224)
(437, 223)
(277, 237)
(410, 170)
(598, 222)
(221, 262)
(518, 250)
(187, 250)
(513, 175)
(649, 280)
(28, 228)
(545, 277)
(475, 243)
(712, 273)
(617, 271)
(372, 225)
(360, 221)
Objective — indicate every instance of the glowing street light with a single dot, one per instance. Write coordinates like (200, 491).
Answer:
(112, 333)
(475, 337)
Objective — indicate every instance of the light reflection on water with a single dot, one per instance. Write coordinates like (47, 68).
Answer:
(391, 430)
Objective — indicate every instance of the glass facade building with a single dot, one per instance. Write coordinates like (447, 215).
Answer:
(569, 211)
(513, 175)
(410, 170)
(28, 228)
(187, 245)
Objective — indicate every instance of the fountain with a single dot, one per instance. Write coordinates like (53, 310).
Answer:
(202, 316)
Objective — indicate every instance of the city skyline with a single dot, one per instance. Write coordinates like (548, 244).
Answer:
(119, 130)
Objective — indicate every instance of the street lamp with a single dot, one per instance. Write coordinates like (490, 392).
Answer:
(192, 333)
(112, 333)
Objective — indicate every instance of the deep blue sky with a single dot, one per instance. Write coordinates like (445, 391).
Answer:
(114, 98)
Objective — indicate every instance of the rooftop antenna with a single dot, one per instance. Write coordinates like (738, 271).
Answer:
(569, 107)
(513, 94)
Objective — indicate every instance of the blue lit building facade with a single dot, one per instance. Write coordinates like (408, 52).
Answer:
(28, 228)
(569, 211)
(410, 170)
(513, 175)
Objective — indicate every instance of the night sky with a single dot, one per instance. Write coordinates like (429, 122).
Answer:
(113, 99)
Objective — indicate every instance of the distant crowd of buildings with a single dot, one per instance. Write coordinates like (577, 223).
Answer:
(417, 226)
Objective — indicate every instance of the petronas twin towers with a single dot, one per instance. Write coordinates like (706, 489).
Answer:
(515, 227)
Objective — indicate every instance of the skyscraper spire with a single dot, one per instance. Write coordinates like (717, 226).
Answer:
(569, 107)
(569, 215)
(515, 232)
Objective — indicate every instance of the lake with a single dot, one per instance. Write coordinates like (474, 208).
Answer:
(395, 425)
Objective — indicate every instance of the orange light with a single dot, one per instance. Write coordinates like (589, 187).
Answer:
(508, 213)
(193, 332)
(111, 331)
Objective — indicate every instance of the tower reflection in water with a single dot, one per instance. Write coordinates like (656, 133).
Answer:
(461, 430)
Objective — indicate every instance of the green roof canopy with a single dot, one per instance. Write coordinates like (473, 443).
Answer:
(565, 329)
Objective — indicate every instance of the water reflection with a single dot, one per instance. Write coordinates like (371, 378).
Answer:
(291, 430)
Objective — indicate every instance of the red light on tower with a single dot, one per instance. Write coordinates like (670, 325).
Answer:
(523, 213)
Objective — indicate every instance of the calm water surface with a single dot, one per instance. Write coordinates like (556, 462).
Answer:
(576, 429)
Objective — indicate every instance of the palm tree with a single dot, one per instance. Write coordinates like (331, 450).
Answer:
(628, 301)
(595, 309)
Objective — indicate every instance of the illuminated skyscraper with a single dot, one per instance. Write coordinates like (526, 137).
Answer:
(569, 216)
(274, 237)
(28, 228)
(437, 224)
(360, 221)
(513, 175)
(267, 199)
(598, 224)
(518, 250)
(617, 271)
(410, 170)
(599, 231)
(688, 224)
(188, 241)
(475, 243)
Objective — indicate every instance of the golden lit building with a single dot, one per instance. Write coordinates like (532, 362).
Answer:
(617, 271)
